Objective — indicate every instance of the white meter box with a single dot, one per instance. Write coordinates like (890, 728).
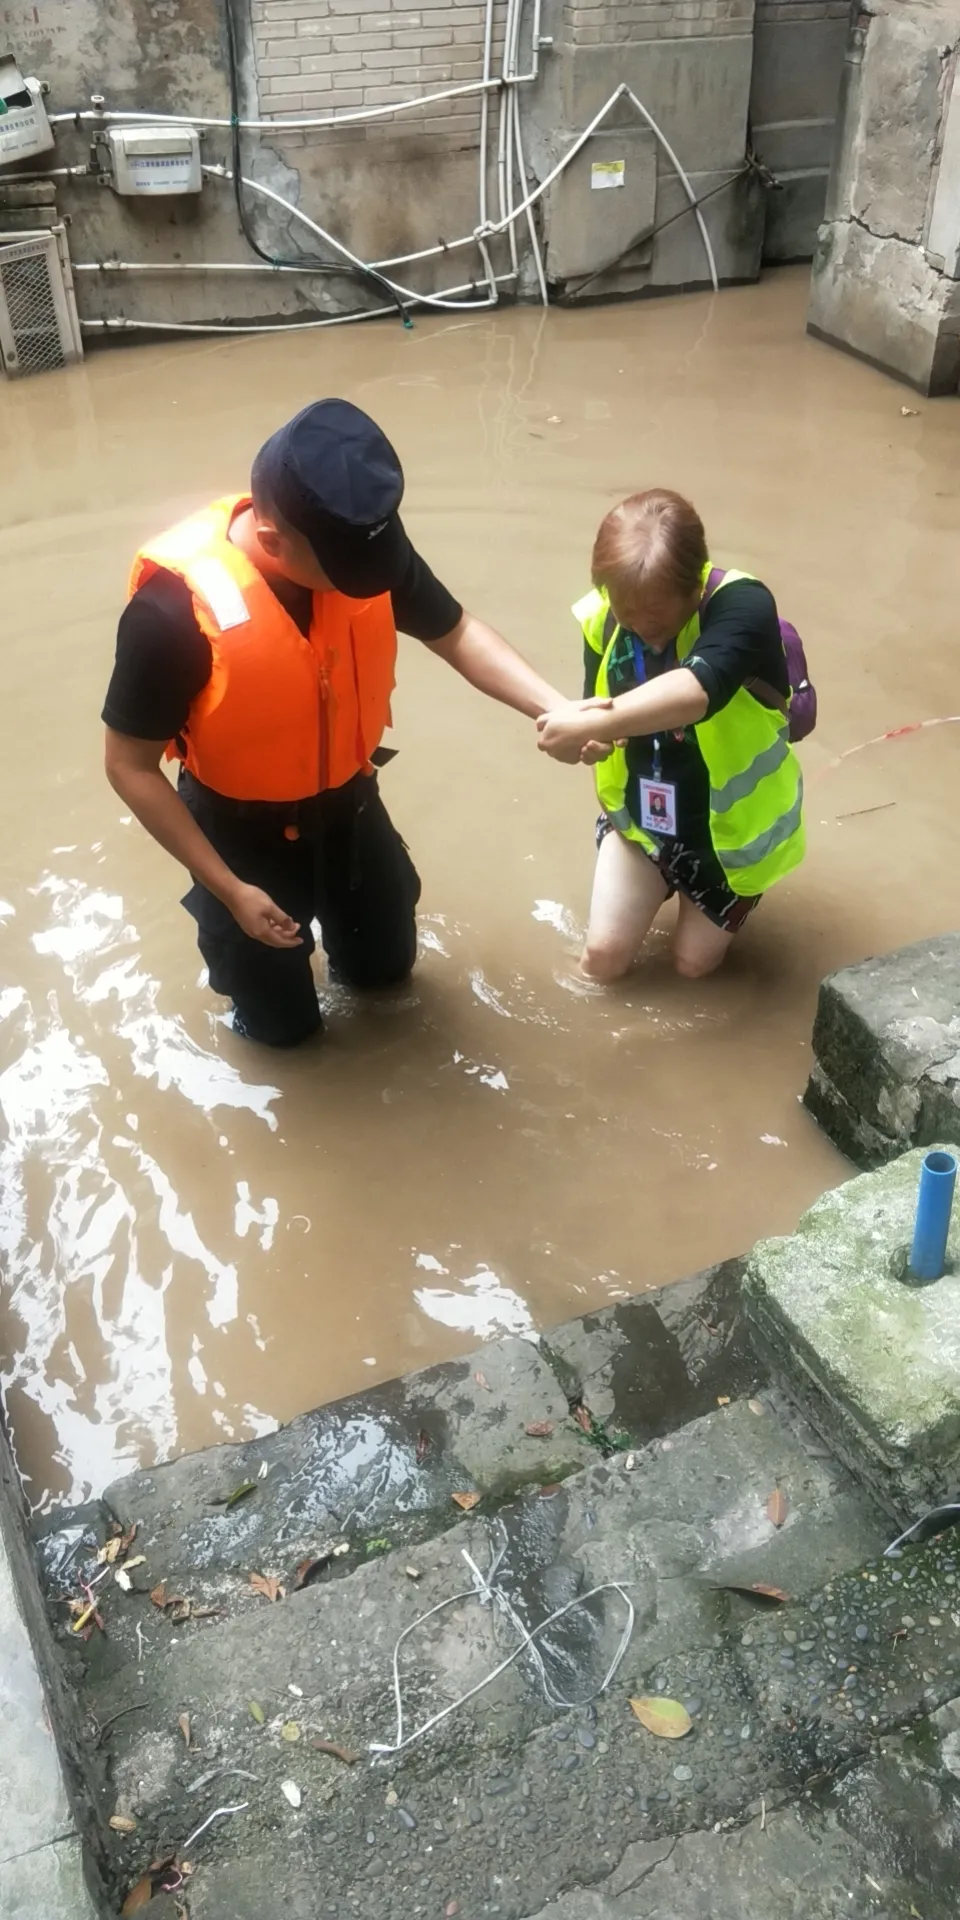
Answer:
(152, 160)
(24, 127)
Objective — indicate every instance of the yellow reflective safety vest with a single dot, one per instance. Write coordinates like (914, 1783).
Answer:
(756, 785)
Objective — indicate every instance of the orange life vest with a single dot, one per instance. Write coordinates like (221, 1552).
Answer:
(283, 716)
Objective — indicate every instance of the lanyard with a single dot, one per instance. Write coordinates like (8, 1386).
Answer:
(640, 672)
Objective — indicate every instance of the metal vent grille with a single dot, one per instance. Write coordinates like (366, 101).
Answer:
(39, 330)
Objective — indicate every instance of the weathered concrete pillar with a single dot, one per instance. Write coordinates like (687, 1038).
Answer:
(886, 274)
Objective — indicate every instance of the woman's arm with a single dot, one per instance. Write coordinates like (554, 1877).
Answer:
(674, 699)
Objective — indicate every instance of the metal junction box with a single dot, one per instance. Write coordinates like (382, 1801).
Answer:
(151, 160)
(603, 204)
(24, 127)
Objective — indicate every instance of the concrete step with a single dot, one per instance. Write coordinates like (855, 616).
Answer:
(510, 1800)
(379, 1470)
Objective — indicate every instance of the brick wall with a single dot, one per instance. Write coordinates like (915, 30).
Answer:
(616, 22)
(327, 56)
(798, 10)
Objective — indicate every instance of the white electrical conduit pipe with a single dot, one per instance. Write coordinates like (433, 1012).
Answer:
(119, 323)
(405, 293)
(446, 300)
(513, 110)
(504, 123)
(484, 142)
(103, 117)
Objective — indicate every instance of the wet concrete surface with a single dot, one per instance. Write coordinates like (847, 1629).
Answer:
(381, 1470)
(199, 1239)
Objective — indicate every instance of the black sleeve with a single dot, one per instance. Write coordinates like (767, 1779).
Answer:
(163, 661)
(591, 667)
(739, 641)
(421, 606)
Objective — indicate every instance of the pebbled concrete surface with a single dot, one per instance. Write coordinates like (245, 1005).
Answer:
(509, 1800)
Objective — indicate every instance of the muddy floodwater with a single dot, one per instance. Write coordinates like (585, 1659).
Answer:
(199, 1238)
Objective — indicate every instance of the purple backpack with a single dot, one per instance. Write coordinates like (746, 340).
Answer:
(802, 711)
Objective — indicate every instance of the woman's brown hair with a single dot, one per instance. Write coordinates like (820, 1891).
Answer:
(654, 539)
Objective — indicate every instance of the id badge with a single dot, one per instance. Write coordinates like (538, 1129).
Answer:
(658, 806)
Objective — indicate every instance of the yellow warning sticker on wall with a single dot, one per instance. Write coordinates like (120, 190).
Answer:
(607, 173)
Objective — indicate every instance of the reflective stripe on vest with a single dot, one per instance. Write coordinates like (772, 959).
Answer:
(283, 715)
(756, 788)
(741, 785)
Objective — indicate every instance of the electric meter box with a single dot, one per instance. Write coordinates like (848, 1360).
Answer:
(24, 127)
(149, 160)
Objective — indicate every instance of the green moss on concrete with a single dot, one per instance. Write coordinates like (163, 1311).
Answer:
(829, 1295)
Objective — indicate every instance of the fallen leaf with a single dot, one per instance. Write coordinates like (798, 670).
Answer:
(183, 1722)
(412, 1573)
(122, 1823)
(291, 1792)
(666, 1718)
(583, 1418)
(539, 1429)
(159, 1595)
(257, 1713)
(547, 1492)
(268, 1585)
(290, 1731)
(122, 1579)
(139, 1560)
(777, 1507)
(339, 1753)
(178, 1610)
(754, 1591)
(423, 1446)
(109, 1551)
(199, 1613)
(239, 1493)
(467, 1500)
(482, 1381)
(127, 1539)
(139, 1896)
(756, 1406)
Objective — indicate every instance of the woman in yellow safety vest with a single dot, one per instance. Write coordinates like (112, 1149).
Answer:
(685, 718)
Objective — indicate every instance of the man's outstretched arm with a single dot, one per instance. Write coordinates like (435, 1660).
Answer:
(490, 664)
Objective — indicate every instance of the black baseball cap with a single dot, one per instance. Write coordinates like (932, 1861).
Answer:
(335, 477)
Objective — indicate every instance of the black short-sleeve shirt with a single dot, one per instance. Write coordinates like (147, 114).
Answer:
(163, 658)
(739, 641)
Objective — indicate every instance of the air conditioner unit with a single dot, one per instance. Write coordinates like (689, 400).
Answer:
(39, 328)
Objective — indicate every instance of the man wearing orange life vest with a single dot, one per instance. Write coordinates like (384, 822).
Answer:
(258, 648)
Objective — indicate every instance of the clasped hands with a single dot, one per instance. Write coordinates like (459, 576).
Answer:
(568, 732)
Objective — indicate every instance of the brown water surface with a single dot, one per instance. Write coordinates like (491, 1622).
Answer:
(199, 1238)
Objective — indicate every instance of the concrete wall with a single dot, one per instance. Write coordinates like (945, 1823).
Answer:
(886, 279)
(798, 48)
(397, 185)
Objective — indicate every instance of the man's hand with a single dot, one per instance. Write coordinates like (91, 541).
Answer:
(567, 732)
(261, 918)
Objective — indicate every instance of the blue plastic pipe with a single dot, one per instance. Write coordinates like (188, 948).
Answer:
(938, 1179)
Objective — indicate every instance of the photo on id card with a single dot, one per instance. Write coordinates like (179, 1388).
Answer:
(658, 806)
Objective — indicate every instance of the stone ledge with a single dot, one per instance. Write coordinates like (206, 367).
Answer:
(874, 1363)
(886, 1044)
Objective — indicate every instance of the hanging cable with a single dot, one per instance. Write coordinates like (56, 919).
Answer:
(357, 269)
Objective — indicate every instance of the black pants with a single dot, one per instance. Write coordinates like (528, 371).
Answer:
(337, 859)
